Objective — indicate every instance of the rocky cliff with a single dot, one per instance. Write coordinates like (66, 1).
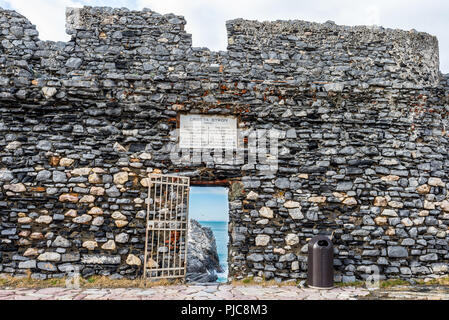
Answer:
(202, 257)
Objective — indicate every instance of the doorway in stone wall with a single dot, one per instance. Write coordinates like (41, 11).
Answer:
(209, 218)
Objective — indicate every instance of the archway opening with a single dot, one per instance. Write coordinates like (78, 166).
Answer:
(209, 207)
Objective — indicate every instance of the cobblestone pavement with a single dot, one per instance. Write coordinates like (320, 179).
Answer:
(191, 292)
(228, 292)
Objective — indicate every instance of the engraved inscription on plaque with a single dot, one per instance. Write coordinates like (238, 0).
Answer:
(207, 132)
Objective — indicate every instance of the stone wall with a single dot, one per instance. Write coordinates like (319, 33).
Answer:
(358, 55)
(363, 149)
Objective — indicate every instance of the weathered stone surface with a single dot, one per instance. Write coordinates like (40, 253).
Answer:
(94, 178)
(292, 204)
(145, 182)
(85, 218)
(429, 257)
(296, 214)
(262, 240)
(100, 259)
(266, 213)
(70, 257)
(44, 145)
(122, 238)
(66, 162)
(121, 177)
(49, 92)
(252, 196)
(120, 223)
(24, 220)
(439, 268)
(381, 221)
(117, 215)
(80, 171)
(43, 175)
(95, 211)
(133, 260)
(436, 182)
(407, 222)
(6, 175)
(336, 87)
(47, 266)
(429, 205)
(13, 145)
(71, 213)
(18, 187)
(49, 256)
(317, 199)
(90, 245)
(30, 264)
(44, 219)
(424, 189)
(291, 239)
(68, 197)
(98, 221)
(113, 192)
(380, 202)
(61, 242)
(389, 213)
(74, 63)
(36, 236)
(97, 191)
(397, 252)
(289, 257)
(30, 252)
(444, 205)
(350, 201)
(390, 178)
(255, 257)
(59, 177)
(87, 199)
(109, 245)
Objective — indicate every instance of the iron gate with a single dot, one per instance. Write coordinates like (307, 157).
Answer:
(166, 226)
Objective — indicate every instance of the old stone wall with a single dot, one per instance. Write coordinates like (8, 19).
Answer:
(359, 55)
(363, 147)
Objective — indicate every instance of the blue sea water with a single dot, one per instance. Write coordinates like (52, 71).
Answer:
(220, 231)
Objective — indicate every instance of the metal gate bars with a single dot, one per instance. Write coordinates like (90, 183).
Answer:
(166, 227)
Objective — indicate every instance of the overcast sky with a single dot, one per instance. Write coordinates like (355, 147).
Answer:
(206, 18)
(208, 204)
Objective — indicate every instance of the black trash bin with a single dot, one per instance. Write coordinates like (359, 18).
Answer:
(320, 270)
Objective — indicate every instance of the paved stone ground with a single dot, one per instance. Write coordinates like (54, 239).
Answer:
(420, 292)
(184, 292)
(228, 292)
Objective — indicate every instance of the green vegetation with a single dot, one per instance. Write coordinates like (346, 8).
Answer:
(91, 282)
(383, 284)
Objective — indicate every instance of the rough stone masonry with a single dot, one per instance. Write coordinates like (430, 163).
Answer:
(363, 155)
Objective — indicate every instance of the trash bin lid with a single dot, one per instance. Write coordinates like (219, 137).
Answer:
(320, 242)
(323, 243)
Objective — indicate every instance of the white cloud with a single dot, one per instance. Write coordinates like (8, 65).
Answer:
(47, 15)
(372, 14)
(221, 191)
